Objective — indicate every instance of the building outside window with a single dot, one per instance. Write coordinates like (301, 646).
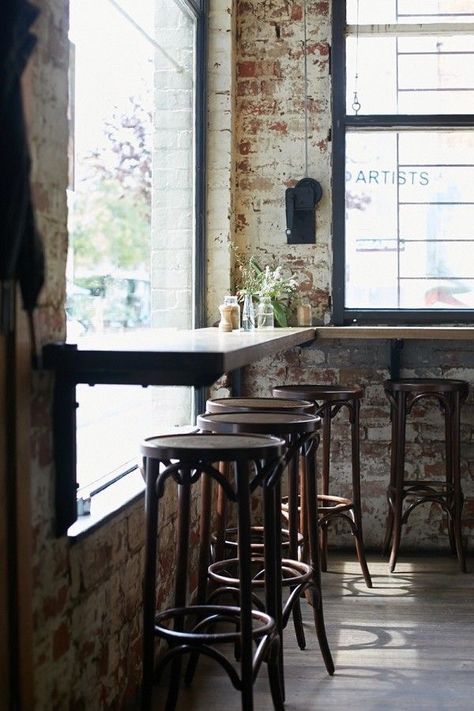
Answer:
(403, 160)
(134, 232)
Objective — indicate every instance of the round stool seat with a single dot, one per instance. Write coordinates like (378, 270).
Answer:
(245, 404)
(183, 429)
(278, 423)
(328, 393)
(213, 447)
(427, 385)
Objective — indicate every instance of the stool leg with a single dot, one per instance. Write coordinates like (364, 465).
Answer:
(220, 552)
(273, 587)
(455, 417)
(203, 561)
(303, 526)
(183, 525)
(399, 472)
(449, 474)
(326, 458)
(316, 593)
(293, 527)
(393, 477)
(149, 584)
(246, 662)
(357, 512)
(204, 537)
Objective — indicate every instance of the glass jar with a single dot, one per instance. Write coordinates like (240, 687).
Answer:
(248, 314)
(265, 313)
(235, 311)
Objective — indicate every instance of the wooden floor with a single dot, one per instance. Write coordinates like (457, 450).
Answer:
(406, 644)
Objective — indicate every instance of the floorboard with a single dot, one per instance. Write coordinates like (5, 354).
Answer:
(406, 644)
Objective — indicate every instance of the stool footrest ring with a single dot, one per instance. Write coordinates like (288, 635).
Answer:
(294, 572)
(209, 615)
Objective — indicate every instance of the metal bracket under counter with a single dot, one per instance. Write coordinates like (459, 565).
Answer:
(397, 336)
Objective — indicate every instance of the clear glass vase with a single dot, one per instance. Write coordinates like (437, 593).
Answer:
(265, 313)
(248, 314)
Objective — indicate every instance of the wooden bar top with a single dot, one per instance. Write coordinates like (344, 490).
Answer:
(425, 333)
(168, 356)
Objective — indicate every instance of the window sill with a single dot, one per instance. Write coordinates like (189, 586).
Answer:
(107, 504)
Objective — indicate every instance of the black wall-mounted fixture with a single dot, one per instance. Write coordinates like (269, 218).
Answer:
(300, 205)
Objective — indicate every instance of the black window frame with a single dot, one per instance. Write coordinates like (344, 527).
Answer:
(341, 122)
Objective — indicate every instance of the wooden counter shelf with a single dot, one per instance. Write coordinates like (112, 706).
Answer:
(425, 333)
(195, 357)
(396, 335)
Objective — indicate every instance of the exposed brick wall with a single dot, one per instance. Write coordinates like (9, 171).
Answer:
(269, 156)
(270, 132)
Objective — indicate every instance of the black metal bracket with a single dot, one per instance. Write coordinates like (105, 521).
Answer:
(396, 347)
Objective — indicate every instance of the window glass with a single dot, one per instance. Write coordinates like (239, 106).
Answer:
(131, 207)
(412, 75)
(409, 219)
(391, 11)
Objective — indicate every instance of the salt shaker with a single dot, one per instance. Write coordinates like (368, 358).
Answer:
(225, 323)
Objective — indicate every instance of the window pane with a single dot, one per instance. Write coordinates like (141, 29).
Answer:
(131, 206)
(412, 75)
(452, 221)
(390, 11)
(410, 219)
(436, 294)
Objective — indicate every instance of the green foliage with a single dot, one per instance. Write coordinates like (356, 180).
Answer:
(256, 281)
(280, 311)
(111, 212)
(111, 227)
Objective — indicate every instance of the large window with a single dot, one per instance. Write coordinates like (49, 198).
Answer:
(135, 207)
(403, 160)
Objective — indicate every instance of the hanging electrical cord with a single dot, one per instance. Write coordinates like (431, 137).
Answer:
(145, 34)
(305, 55)
(356, 103)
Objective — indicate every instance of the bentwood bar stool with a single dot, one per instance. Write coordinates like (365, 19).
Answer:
(245, 404)
(193, 629)
(404, 495)
(299, 430)
(329, 400)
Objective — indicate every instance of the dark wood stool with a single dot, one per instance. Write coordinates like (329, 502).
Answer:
(328, 401)
(245, 404)
(190, 629)
(403, 394)
(299, 430)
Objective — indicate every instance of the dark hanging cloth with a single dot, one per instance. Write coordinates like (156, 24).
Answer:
(21, 251)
